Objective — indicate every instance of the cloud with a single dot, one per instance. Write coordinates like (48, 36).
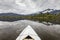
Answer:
(27, 6)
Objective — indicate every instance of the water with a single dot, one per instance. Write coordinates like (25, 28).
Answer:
(10, 30)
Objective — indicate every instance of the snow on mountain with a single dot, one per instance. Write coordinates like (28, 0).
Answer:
(52, 11)
(47, 10)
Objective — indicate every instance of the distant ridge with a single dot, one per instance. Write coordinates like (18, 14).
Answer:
(10, 14)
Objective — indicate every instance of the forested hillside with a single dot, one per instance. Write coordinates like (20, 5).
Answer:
(46, 17)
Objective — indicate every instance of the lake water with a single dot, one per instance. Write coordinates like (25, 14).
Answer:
(11, 30)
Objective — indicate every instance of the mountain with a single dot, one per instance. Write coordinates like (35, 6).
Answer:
(55, 11)
(52, 11)
(47, 10)
(10, 14)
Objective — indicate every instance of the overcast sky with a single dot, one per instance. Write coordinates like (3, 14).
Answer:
(27, 6)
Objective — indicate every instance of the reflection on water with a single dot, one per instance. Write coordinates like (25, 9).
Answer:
(10, 30)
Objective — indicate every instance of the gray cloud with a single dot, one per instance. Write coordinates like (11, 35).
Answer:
(27, 6)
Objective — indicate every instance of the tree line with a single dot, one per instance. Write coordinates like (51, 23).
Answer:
(41, 17)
